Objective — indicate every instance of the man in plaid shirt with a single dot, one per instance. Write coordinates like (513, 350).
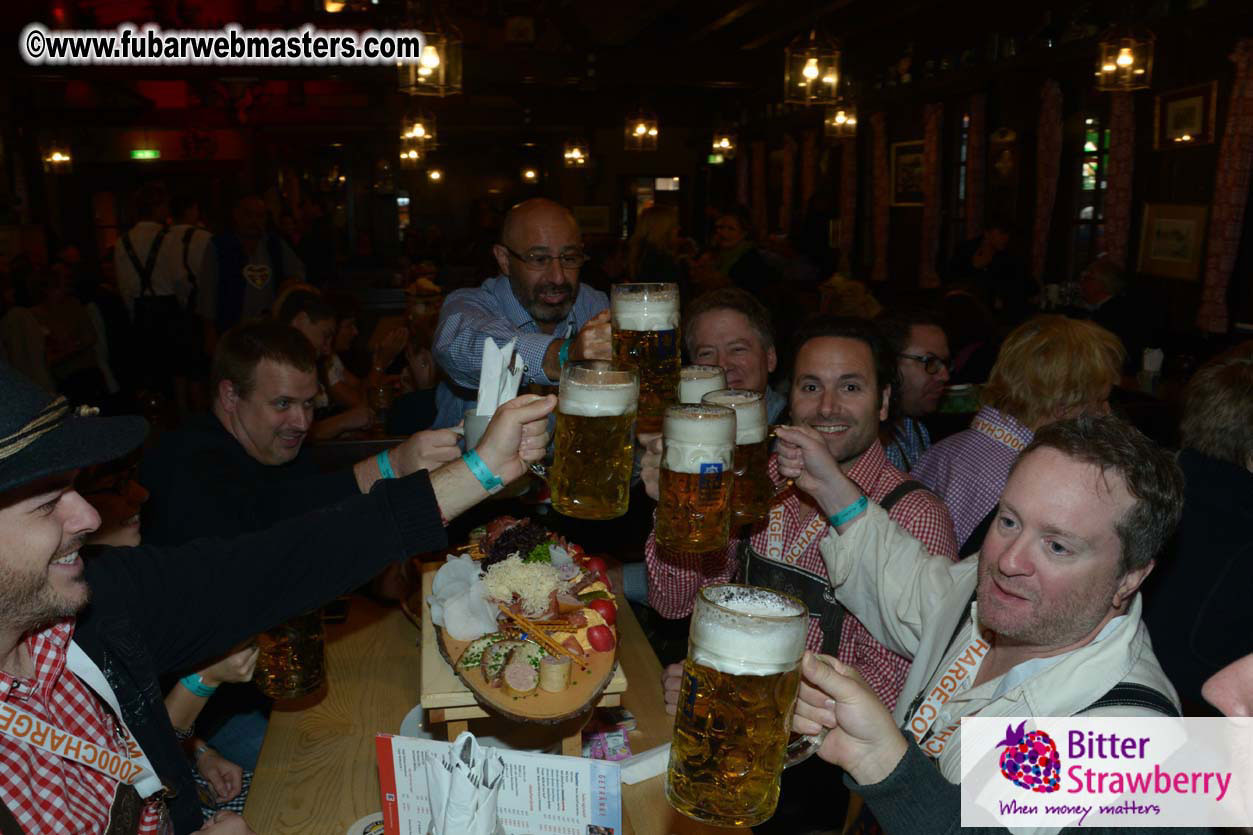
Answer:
(841, 386)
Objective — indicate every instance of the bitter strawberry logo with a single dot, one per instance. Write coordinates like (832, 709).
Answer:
(1030, 760)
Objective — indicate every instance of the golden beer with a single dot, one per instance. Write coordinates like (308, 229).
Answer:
(645, 320)
(594, 443)
(750, 498)
(734, 713)
(695, 381)
(291, 662)
(697, 476)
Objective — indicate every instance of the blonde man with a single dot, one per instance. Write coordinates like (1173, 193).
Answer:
(1048, 369)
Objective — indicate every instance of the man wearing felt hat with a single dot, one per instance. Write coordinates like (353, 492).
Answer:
(86, 745)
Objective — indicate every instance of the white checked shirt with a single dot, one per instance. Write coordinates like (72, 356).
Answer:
(492, 309)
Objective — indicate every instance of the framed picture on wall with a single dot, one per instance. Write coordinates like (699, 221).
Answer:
(907, 173)
(1185, 117)
(1171, 239)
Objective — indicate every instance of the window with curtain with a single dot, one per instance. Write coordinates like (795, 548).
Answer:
(1088, 238)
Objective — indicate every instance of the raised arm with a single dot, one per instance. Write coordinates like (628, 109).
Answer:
(468, 317)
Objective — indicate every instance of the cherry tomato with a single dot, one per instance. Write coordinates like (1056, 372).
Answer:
(575, 551)
(595, 565)
(601, 638)
(606, 610)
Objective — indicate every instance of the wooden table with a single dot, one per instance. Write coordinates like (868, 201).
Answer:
(318, 774)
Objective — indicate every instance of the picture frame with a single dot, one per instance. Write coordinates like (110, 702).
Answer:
(1172, 240)
(1185, 117)
(907, 173)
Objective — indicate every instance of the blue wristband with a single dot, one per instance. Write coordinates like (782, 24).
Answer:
(196, 685)
(849, 513)
(563, 353)
(385, 465)
(490, 481)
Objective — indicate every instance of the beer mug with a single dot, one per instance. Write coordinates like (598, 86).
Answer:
(734, 714)
(753, 490)
(695, 381)
(645, 320)
(292, 659)
(694, 490)
(594, 443)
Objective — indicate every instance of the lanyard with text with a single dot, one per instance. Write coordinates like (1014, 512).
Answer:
(926, 708)
(774, 536)
(131, 766)
(1001, 434)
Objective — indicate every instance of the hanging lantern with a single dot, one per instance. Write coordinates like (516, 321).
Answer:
(437, 71)
(811, 70)
(840, 121)
(640, 133)
(57, 158)
(1125, 60)
(530, 174)
(419, 126)
(435, 175)
(411, 153)
(725, 144)
(575, 154)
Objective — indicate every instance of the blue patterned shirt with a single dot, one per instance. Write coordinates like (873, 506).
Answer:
(910, 440)
(492, 310)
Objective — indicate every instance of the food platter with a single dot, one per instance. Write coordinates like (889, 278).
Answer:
(547, 656)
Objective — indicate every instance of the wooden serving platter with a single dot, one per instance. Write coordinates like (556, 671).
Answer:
(445, 686)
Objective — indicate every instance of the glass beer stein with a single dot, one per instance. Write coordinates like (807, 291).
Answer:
(697, 475)
(292, 660)
(645, 319)
(594, 443)
(734, 716)
(753, 490)
(695, 381)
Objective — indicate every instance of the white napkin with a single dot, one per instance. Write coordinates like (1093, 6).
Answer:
(645, 766)
(1151, 360)
(499, 376)
(463, 786)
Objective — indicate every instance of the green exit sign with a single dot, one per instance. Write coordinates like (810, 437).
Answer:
(716, 159)
(145, 153)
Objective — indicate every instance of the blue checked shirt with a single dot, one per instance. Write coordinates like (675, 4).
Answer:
(491, 309)
(910, 439)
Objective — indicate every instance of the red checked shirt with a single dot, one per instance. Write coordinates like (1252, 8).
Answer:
(675, 578)
(47, 793)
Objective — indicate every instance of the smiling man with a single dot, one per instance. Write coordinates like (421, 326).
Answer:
(1045, 622)
(841, 384)
(729, 328)
(77, 680)
(536, 299)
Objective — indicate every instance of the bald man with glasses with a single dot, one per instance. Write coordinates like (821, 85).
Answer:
(537, 299)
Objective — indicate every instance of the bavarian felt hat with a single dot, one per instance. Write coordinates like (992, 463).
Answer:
(41, 435)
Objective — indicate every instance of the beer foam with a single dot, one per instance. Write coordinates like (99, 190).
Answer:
(597, 400)
(736, 645)
(656, 310)
(750, 413)
(697, 380)
(696, 436)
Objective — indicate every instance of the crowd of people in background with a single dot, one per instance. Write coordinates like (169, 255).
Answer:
(245, 347)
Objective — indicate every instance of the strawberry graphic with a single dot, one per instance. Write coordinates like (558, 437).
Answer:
(1030, 760)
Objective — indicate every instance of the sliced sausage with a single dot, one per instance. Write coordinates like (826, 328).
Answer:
(554, 673)
(494, 658)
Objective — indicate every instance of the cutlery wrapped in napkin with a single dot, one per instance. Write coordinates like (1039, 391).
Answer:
(500, 375)
(463, 786)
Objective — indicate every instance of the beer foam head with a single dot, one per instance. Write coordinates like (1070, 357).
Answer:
(750, 413)
(696, 436)
(697, 380)
(745, 630)
(597, 389)
(645, 307)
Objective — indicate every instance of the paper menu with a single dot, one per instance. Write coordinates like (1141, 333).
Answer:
(539, 793)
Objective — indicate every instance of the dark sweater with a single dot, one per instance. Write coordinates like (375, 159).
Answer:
(1197, 601)
(915, 799)
(203, 483)
(159, 610)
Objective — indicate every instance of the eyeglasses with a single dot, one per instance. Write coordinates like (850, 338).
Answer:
(930, 362)
(569, 259)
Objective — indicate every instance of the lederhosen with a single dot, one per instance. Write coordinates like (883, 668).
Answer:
(814, 590)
